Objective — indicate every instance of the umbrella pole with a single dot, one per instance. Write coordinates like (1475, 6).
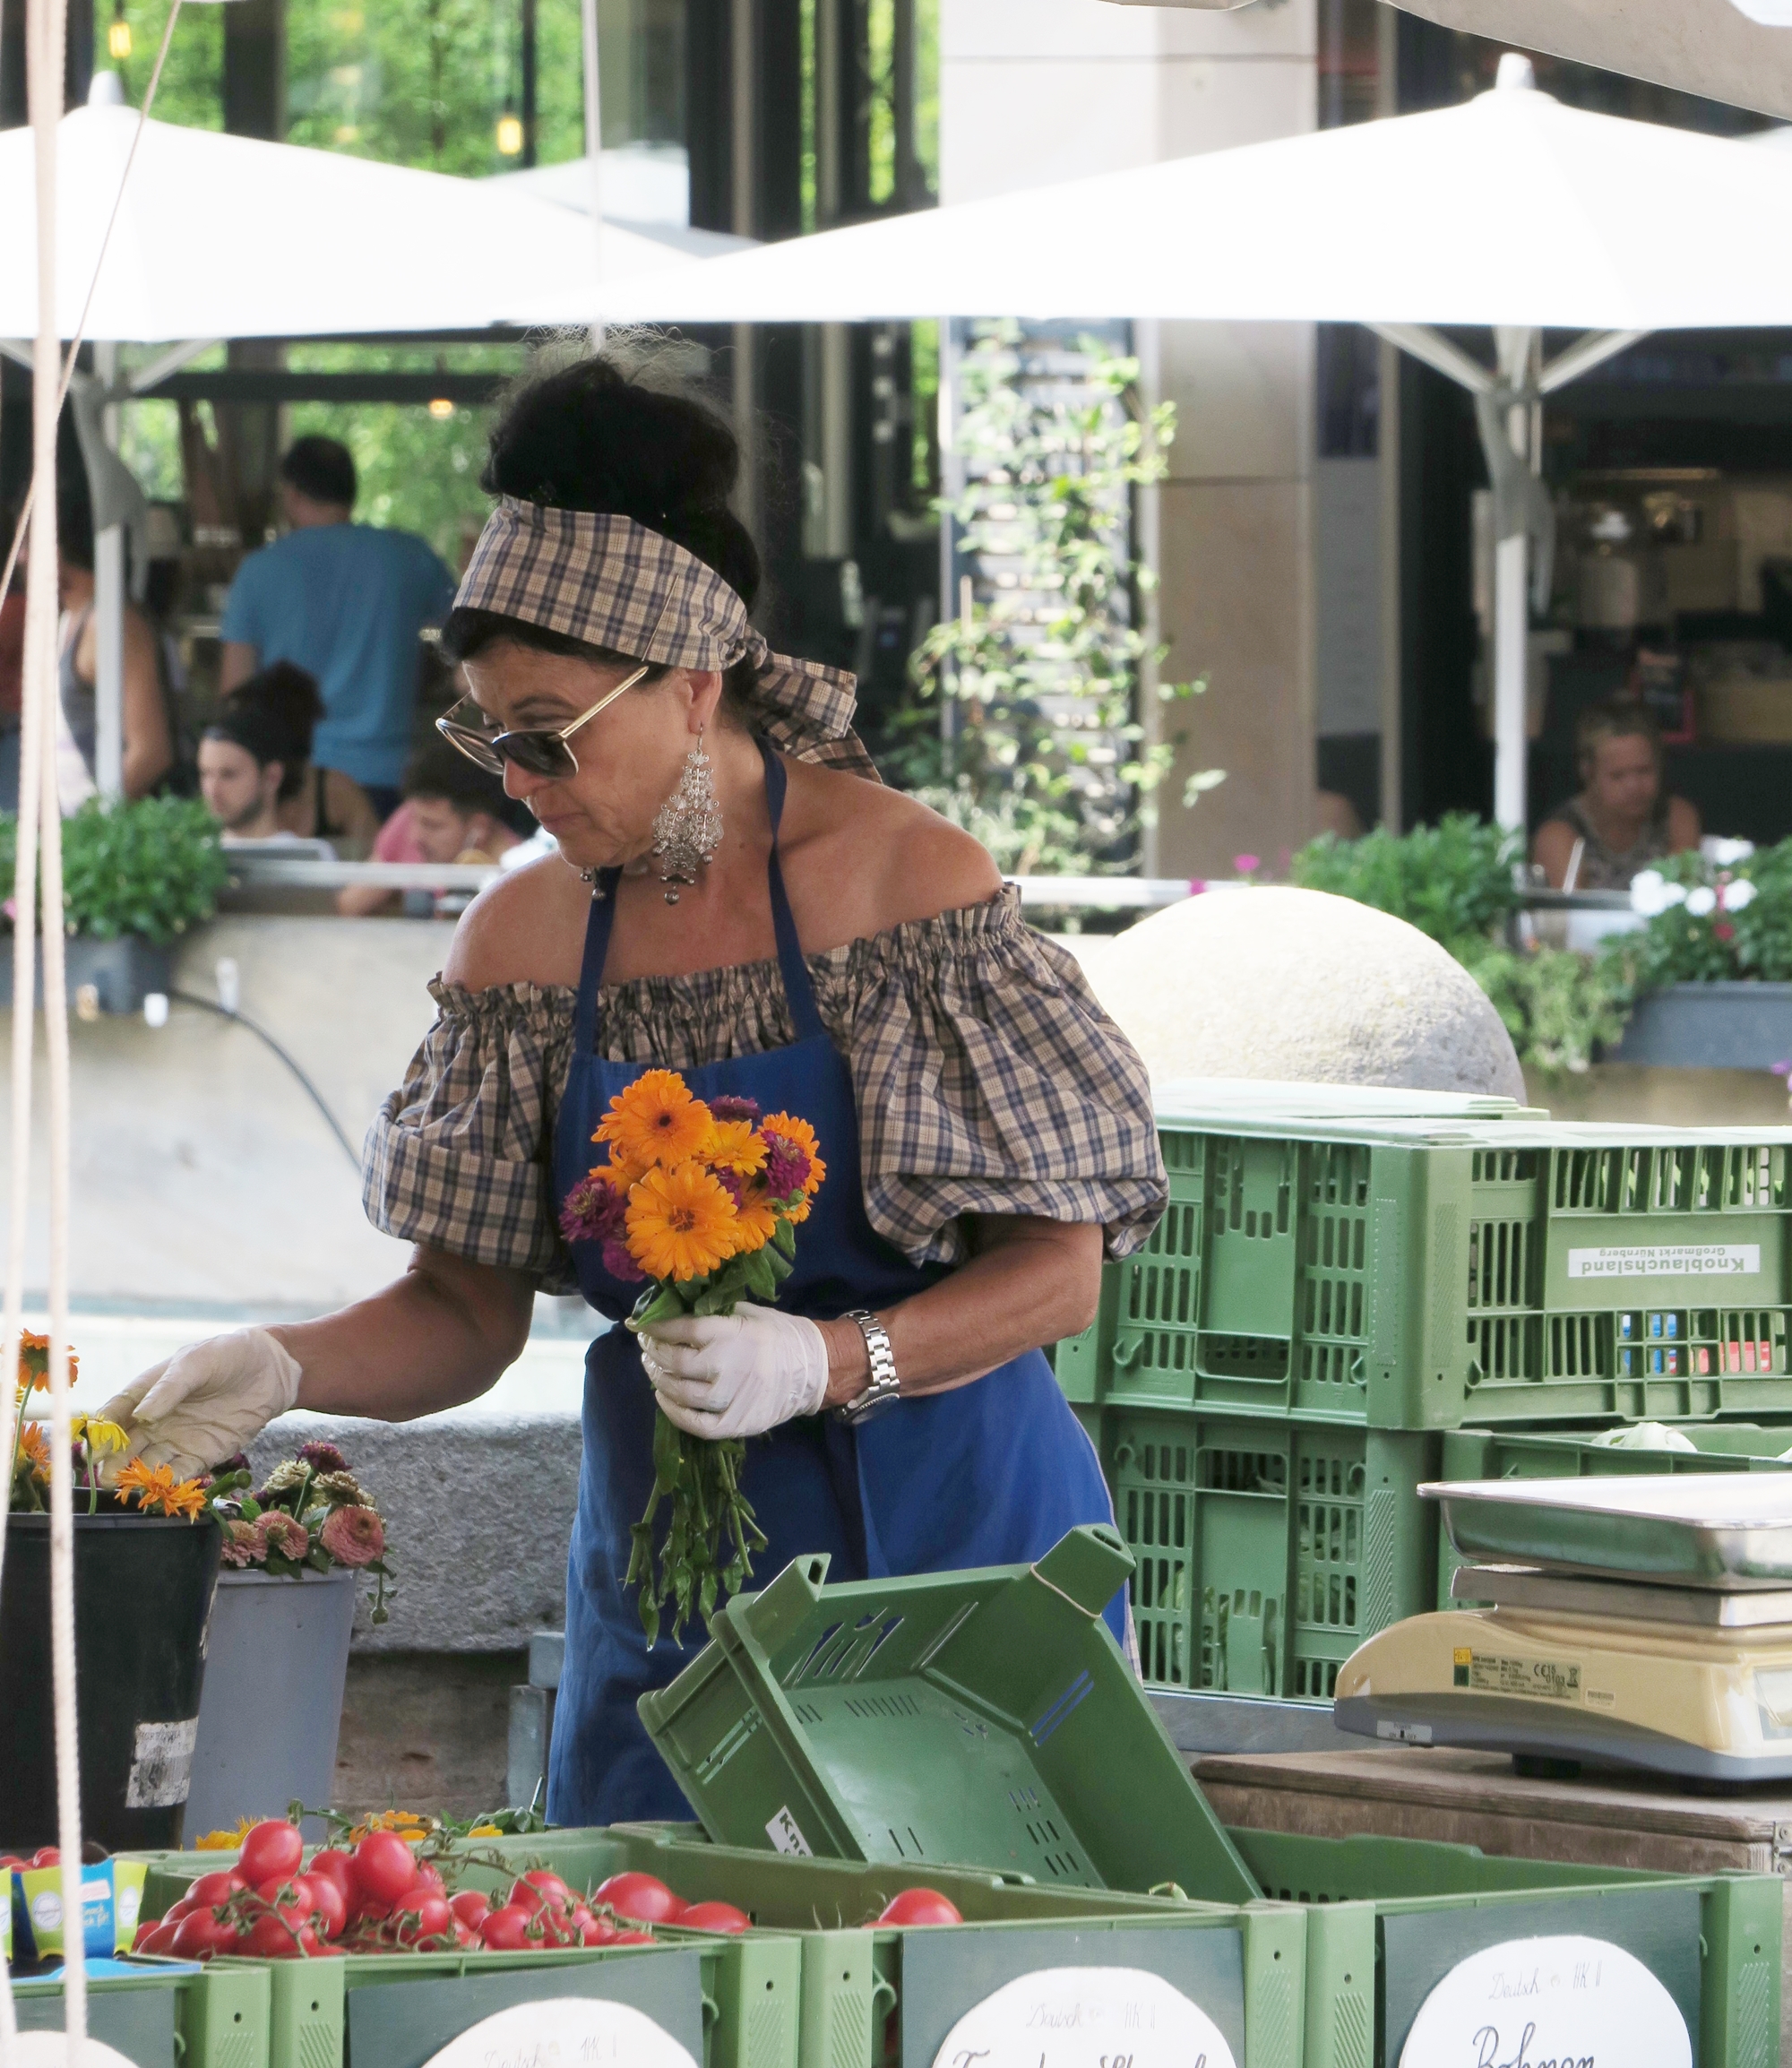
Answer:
(1512, 420)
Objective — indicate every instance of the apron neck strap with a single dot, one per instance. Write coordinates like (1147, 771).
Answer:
(791, 967)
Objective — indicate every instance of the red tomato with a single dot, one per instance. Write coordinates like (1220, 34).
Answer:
(210, 1890)
(422, 1915)
(47, 1857)
(538, 1887)
(633, 1939)
(271, 1938)
(289, 1900)
(384, 1865)
(185, 1908)
(426, 1871)
(510, 1930)
(639, 1896)
(471, 1907)
(157, 1938)
(466, 1938)
(323, 1903)
(598, 1930)
(200, 1935)
(271, 1851)
(714, 1918)
(919, 1907)
(10, 1861)
(339, 1868)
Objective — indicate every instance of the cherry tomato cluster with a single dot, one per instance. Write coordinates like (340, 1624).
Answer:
(45, 1857)
(381, 1899)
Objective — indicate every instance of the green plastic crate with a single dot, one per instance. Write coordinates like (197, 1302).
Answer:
(986, 1718)
(1266, 1551)
(854, 1980)
(1417, 1274)
(164, 2018)
(1389, 1917)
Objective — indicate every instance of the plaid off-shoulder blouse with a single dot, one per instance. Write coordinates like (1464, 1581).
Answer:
(988, 1081)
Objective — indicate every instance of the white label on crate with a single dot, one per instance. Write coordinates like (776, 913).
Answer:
(1668, 1259)
(564, 2032)
(1086, 2018)
(784, 1833)
(1566, 2000)
(161, 1764)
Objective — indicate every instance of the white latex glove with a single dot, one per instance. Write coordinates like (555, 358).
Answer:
(735, 1375)
(205, 1402)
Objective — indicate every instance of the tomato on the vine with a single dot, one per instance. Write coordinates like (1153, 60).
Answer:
(324, 1902)
(639, 1896)
(385, 1866)
(714, 1918)
(471, 1907)
(919, 1907)
(201, 1934)
(339, 1868)
(271, 1851)
(511, 1929)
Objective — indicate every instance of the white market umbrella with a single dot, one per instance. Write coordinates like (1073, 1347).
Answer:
(647, 194)
(1512, 210)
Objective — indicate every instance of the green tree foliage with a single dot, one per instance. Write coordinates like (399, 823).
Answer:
(1039, 750)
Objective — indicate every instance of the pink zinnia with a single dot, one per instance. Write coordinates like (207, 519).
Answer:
(285, 1534)
(786, 1168)
(593, 1212)
(354, 1537)
(243, 1544)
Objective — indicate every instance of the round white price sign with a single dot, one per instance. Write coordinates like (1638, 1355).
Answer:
(1548, 2003)
(1086, 2018)
(564, 2032)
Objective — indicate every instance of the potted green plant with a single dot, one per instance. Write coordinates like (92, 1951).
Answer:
(135, 877)
(1710, 974)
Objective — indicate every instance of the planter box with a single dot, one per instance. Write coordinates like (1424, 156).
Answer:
(122, 972)
(1710, 1026)
(277, 1655)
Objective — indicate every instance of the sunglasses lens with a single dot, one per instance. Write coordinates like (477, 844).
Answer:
(475, 746)
(539, 754)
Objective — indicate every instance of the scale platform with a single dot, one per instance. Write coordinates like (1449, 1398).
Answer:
(1643, 1623)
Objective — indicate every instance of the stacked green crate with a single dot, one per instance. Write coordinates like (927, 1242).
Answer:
(1268, 1382)
(161, 2018)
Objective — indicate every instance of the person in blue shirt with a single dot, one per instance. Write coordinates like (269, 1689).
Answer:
(345, 602)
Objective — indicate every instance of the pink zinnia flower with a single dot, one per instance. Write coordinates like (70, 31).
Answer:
(593, 1212)
(243, 1544)
(786, 1168)
(619, 1263)
(354, 1537)
(286, 1535)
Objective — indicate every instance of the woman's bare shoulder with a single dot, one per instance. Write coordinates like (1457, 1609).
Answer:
(869, 858)
(527, 927)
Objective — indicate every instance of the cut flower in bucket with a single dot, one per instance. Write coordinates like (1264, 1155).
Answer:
(310, 1514)
(699, 1203)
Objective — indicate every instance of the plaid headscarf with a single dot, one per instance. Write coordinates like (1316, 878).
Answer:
(618, 585)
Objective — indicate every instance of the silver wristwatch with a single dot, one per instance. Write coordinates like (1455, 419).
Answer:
(882, 1392)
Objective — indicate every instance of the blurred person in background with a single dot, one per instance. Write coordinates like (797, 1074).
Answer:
(346, 602)
(453, 812)
(12, 673)
(1623, 819)
(152, 734)
(252, 755)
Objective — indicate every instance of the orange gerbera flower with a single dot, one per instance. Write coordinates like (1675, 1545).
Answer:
(755, 1222)
(187, 1499)
(656, 1122)
(734, 1145)
(34, 1363)
(34, 1447)
(681, 1223)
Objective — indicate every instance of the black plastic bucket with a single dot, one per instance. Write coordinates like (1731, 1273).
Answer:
(143, 1598)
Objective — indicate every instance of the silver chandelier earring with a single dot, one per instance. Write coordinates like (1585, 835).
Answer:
(689, 827)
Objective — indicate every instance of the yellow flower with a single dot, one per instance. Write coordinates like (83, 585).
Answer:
(224, 1842)
(656, 1122)
(734, 1145)
(681, 1223)
(411, 1827)
(101, 1437)
(485, 1831)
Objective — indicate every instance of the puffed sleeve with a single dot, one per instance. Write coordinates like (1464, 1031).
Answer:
(461, 1156)
(989, 1080)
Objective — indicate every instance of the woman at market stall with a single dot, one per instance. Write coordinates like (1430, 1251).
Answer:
(736, 898)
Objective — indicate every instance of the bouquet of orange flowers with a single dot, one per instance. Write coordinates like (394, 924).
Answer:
(701, 1203)
(155, 1490)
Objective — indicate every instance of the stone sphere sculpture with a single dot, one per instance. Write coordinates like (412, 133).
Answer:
(1303, 986)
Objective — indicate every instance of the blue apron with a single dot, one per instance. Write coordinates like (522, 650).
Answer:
(988, 1474)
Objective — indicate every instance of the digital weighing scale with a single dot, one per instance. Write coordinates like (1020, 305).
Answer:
(1639, 1621)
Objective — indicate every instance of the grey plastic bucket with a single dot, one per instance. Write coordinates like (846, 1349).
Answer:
(272, 1703)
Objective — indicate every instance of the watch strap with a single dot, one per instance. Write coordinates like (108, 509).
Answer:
(884, 1390)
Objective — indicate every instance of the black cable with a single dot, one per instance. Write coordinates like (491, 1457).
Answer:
(261, 1034)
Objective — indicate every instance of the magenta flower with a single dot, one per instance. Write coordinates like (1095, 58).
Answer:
(354, 1536)
(593, 1212)
(619, 1263)
(729, 1107)
(786, 1168)
(322, 1458)
(1246, 864)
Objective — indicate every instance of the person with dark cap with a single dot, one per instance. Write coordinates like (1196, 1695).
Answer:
(346, 602)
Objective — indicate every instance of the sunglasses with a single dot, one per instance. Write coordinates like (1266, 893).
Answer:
(537, 750)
